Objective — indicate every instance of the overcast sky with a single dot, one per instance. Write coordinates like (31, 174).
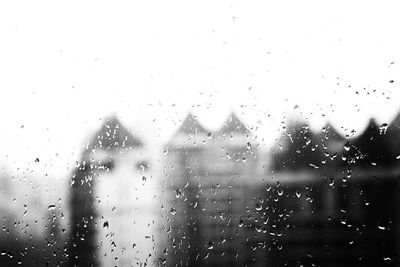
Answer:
(66, 65)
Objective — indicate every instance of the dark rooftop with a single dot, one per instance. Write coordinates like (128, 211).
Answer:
(113, 135)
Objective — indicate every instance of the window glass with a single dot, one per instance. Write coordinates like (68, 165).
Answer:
(210, 133)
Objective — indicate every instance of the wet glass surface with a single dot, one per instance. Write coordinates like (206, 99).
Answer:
(174, 133)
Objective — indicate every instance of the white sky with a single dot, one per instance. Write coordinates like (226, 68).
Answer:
(66, 65)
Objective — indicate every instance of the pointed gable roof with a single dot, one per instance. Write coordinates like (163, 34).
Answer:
(371, 147)
(191, 126)
(233, 125)
(113, 135)
(329, 132)
(370, 133)
(300, 148)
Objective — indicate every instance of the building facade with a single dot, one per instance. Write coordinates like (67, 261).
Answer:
(113, 201)
(211, 181)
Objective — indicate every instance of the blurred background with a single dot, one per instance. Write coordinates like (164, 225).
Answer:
(199, 134)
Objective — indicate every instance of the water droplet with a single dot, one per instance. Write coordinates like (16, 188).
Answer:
(347, 146)
(383, 128)
(314, 166)
(248, 145)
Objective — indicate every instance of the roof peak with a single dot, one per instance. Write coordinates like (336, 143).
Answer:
(330, 131)
(372, 123)
(113, 135)
(191, 125)
(233, 125)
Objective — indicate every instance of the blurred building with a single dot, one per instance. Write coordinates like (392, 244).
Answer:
(327, 200)
(113, 201)
(211, 187)
(334, 201)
